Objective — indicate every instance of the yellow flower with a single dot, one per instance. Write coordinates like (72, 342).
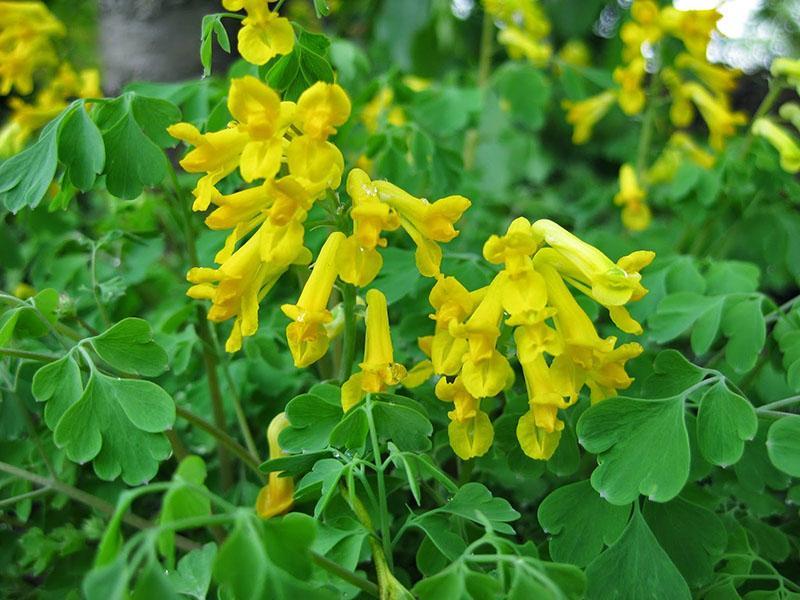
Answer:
(643, 29)
(426, 223)
(216, 153)
(453, 303)
(576, 53)
(521, 43)
(635, 212)
(277, 497)
(539, 432)
(791, 112)
(307, 337)
(719, 79)
(683, 142)
(610, 284)
(322, 108)
(378, 371)
(264, 34)
(583, 115)
(631, 97)
(782, 141)
(318, 164)
(692, 27)
(681, 112)
(262, 116)
(359, 261)
(787, 67)
(721, 121)
(242, 280)
(470, 431)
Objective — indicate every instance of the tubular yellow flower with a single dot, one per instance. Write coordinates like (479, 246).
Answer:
(322, 108)
(453, 303)
(539, 432)
(264, 34)
(681, 112)
(635, 212)
(521, 43)
(683, 142)
(787, 67)
(782, 141)
(216, 153)
(277, 497)
(631, 97)
(692, 27)
(611, 284)
(306, 335)
(583, 115)
(263, 118)
(426, 223)
(470, 431)
(721, 121)
(575, 52)
(791, 112)
(719, 79)
(378, 371)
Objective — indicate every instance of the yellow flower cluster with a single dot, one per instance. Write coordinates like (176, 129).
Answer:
(264, 34)
(557, 344)
(26, 32)
(694, 84)
(524, 28)
(266, 219)
(26, 118)
(776, 134)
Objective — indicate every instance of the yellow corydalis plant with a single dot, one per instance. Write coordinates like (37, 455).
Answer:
(524, 28)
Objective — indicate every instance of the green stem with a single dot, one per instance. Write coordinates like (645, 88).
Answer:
(223, 439)
(26, 496)
(24, 354)
(95, 288)
(383, 511)
(779, 404)
(334, 568)
(646, 136)
(85, 498)
(349, 339)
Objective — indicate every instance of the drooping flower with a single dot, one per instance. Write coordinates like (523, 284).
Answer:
(789, 68)
(583, 115)
(784, 142)
(264, 34)
(307, 337)
(719, 118)
(378, 370)
(631, 96)
(321, 109)
(277, 497)
(470, 431)
(453, 303)
(631, 197)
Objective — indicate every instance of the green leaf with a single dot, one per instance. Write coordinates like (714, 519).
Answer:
(241, 565)
(351, 432)
(746, 329)
(475, 502)
(25, 177)
(152, 582)
(402, 421)
(525, 92)
(732, 277)
(322, 8)
(134, 131)
(673, 374)
(118, 423)
(59, 384)
(193, 575)
(635, 567)
(326, 472)
(448, 583)
(580, 522)
(211, 26)
(183, 500)
(783, 445)
(81, 149)
(440, 532)
(313, 417)
(288, 540)
(724, 422)
(129, 347)
(108, 582)
(677, 313)
(642, 447)
(693, 537)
